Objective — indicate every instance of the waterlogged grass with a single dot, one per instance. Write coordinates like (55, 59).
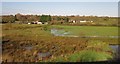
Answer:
(90, 30)
(84, 56)
(98, 45)
(95, 51)
(16, 37)
(39, 36)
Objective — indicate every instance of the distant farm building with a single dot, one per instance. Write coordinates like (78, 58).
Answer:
(37, 22)
(78, 21)
(85, 21)
(72, 21)
(29, 23)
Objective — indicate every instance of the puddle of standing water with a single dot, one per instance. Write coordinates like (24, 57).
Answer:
(114, 47)
(46, 54)
(116, 50)
(57, 32)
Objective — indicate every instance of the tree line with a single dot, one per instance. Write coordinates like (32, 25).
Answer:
(113, 21)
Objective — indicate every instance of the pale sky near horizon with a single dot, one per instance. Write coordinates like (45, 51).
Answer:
(61, 8)
(60, 0)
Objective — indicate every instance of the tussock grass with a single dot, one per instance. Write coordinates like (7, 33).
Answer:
(20, 35)
(90, 56)
(95, 51)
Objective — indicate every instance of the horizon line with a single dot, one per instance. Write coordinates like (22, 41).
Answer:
(60, 15)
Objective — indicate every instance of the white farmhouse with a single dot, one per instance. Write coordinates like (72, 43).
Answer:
(29, 23)
(39, 22)
(83, 21)
(74, 21)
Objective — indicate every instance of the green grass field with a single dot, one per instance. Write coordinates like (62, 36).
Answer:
(90, 30)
